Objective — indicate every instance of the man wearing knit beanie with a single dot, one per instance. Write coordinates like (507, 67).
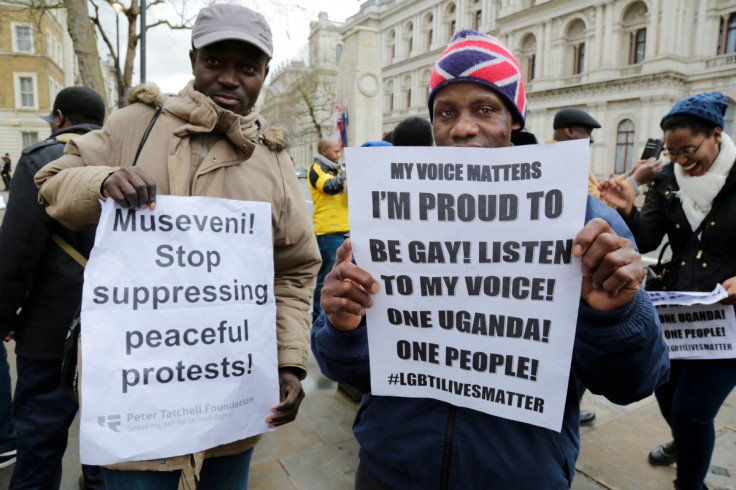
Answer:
(477, 99)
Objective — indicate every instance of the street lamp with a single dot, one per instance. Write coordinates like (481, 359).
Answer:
(118, 8)
(143, 42)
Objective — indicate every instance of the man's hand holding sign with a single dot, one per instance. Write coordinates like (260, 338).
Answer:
(612, 269)
(131, 188)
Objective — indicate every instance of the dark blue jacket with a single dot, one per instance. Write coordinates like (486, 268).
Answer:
(420, 443)
(36, 275)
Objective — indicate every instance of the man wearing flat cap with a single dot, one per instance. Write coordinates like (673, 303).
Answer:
(572, 123)
(208, 140)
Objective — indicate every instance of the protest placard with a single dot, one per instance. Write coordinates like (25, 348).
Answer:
(178, 329)
(695, 325)
(472, 249)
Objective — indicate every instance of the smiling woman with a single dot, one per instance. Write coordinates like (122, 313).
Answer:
(692, 201)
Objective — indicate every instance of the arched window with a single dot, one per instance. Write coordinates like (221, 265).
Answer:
(624, 146)
(391, 46)
(338, 53)
(451, 25)
(428, 30)
(389, 96)
(409, 38)
(477, 15)
(424, 82)
(576, 43)
(528, 57)
(406, 90)
(727, 34)
(635, 24)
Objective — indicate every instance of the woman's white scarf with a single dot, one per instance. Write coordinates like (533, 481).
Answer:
(697, 193)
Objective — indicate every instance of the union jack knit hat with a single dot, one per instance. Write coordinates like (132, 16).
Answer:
(479, 58)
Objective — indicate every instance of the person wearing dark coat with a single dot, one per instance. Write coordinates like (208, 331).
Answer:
(697, 187)
(40, 291)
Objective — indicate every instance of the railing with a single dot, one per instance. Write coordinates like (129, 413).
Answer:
(631, 70)
(722, 60)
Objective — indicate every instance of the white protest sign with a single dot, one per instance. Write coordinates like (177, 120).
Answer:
(695, 325)
(479, 290)
(178, 329)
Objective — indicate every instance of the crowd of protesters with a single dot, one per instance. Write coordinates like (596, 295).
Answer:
(405, 442)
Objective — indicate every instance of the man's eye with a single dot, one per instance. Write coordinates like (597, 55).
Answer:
(445, 112)
(485, 110)
(249, 68)
(212, 61)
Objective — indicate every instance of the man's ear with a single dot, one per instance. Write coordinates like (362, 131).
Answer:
(192, 58)
(515, 125)
(61, 120)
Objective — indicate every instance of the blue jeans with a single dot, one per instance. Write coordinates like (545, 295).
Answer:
(7, 431)
(689, 402)
(226, 472)
(42, 414)
(328, 245)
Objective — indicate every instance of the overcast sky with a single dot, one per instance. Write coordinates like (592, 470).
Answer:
(167, 51)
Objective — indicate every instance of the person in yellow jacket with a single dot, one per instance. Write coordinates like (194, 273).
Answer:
(329, 195)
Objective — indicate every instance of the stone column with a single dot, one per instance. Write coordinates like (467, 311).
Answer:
(359, 77)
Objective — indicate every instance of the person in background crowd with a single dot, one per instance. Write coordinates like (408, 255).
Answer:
(413, 131)
(41, 288)
(7, 431)
(691, 201)
(5, 172)
(328, 188)
(427, 443)
(209, 140)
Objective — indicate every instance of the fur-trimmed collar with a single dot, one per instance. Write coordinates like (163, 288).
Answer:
(274, 137)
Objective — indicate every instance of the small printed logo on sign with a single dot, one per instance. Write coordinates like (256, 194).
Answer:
(111, 421)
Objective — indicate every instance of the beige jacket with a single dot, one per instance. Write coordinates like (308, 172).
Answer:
(239, 160)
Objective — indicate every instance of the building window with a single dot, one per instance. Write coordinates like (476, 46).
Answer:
(528, 56)
(390, 102)
(477, 20)
(23, 38)
(638, 45)
(579, 59)
(338, 53)
(530, 67)
(29, 138)
(25, 91)
(727, 35)
(624, 146)
(429, 38)
(408, 98)
(391, 46)
(452, 31)
(409, 38)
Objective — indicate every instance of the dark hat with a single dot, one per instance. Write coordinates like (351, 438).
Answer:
(80, 105)
(224, 22)
(572, 117)
(710, 107)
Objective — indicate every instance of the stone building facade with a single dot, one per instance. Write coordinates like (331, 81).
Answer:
(36, 62)
(301, 95)
(624, 61)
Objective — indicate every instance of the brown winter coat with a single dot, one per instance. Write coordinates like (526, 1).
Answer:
(239, 160)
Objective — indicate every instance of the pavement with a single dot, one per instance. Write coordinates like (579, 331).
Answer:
(318, 451)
